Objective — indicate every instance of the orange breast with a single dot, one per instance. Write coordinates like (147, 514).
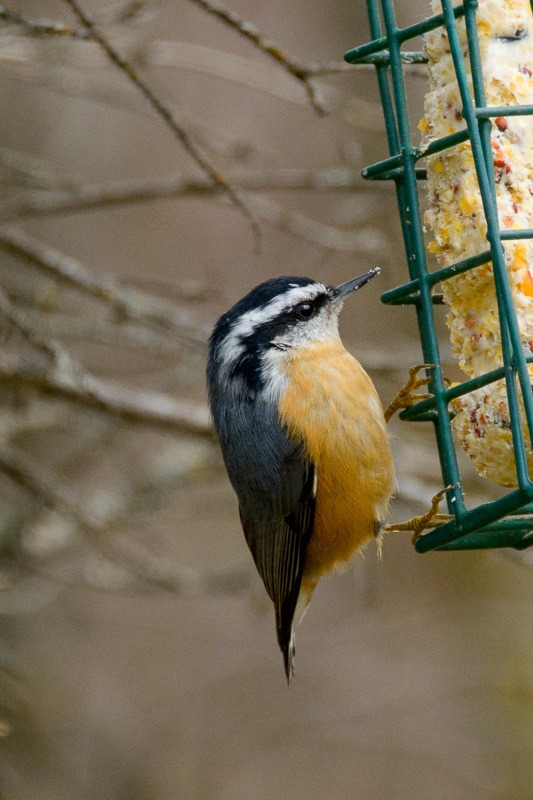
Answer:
(333, 410)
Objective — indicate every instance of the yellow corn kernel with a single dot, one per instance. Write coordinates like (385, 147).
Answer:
(468, 204)
(527, 284)
(520, 256)
(444, 235)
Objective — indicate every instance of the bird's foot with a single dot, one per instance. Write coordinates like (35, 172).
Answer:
(431, 519)
(408, 396)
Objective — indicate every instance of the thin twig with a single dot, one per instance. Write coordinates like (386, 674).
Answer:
(88, 196)
(103, 331)
(149, 408)
(122, 13)
(130, 304)
(301, 72)
(165, 113)
(130, 11)
(155, 571)
(41, 486)
(41, 27)
(246, 71)
(49, 347)
(66, 377)
(250, 72)
(176, 53)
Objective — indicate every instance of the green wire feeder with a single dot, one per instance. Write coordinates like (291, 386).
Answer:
(508, 521)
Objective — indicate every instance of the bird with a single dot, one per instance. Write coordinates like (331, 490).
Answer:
(303, 438)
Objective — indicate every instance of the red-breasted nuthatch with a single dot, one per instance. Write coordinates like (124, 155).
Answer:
(303, 437)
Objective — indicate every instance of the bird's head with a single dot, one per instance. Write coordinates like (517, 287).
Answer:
(280, 314)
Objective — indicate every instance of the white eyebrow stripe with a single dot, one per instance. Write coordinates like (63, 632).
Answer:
(231, 346)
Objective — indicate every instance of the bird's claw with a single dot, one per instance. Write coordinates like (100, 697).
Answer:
(407, 396)
(431, 519)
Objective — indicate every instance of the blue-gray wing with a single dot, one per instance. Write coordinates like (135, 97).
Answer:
(274, 482)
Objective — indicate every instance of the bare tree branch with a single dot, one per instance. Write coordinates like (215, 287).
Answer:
(152, 570)
(302, 72)
(67, 378)
(252, 72)
(149, 408)
(130, 304)
(41, 486)
(41, 27)
(123, 335)
(356, 110)
(85, 197)
(49, 347)
(121, 13)
(164, 112)
(267, 46)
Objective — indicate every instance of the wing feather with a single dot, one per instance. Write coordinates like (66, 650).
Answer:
(278, 541)
(274, 482)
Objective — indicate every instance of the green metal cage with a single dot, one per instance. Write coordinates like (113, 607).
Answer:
(508, 521)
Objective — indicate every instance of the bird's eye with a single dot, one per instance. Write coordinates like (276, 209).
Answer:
(304, 310)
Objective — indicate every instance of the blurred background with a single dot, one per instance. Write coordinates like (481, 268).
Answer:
(137, 650)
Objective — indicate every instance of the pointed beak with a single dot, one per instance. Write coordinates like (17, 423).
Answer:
(342, 291)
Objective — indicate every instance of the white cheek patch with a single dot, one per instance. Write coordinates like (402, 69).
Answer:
(232, 347)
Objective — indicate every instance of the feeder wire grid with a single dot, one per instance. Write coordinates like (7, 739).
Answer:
(507, 521)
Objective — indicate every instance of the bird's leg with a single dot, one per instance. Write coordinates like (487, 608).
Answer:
(430, 519)
(407, 396)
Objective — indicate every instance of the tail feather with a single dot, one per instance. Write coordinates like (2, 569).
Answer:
(287, 648)
(286, 626)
